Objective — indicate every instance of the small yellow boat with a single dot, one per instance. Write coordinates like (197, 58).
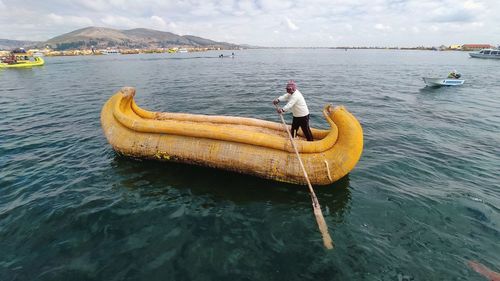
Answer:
(21, 60)
(244, 145)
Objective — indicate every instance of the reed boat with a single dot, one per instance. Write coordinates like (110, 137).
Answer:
(245, 145)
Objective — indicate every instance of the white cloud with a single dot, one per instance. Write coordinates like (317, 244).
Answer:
(473, 5)
(268, 22)
(158, 22)
(290, 24)
(119, 21)
(434, 28)
(205, 9)
(248, 7)
(69, 20)
(275, 5)
(96, 5)
(383, 27)
(172, 25)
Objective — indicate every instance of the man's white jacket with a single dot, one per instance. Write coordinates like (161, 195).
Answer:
(296, 102)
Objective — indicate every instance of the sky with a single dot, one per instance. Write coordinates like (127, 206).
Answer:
(271, 23)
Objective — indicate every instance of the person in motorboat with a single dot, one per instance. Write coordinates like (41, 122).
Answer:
(454, 75)
(297, 104)
(11, 59)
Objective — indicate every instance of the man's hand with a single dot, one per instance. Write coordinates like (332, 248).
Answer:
(276, 101)
(280, 110)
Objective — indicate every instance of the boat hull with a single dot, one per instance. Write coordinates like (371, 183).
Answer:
(483, 56)
(202, 143)
(25, 64)
(438, 82)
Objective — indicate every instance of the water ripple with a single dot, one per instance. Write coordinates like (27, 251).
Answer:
(422, 201)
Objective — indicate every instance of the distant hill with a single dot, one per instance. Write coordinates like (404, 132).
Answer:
(139, 38)
(6, 44)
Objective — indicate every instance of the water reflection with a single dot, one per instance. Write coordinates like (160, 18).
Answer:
(434, 89)
(153, 178)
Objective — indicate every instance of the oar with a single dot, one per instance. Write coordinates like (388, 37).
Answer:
(323, 228)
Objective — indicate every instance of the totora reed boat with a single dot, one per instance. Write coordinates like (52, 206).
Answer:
(244, 145)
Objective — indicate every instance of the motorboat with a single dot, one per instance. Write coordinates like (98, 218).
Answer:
(110, 52)
(486, 54)
(20, 60)
(438, 82)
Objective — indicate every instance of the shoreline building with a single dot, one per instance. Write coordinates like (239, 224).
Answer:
(475, 47)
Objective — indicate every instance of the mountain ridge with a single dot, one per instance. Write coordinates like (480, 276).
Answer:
(137, 38)
(7, 44)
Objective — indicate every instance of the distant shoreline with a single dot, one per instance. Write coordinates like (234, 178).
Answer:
(104, 52)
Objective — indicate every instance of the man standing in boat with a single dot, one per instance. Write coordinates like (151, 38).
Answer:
(297, 104)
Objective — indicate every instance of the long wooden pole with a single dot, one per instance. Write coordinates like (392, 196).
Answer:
(323, 228)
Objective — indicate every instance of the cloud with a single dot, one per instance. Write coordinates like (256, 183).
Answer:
(274, 6)
(153, 22)
(434, 28)
(267, 22)
(119, 22)
(290, 24)
(450, 15)
(473, 5)
(383, 27)
(205, 9)
(69, 20)
(95, 5)
(158, 22)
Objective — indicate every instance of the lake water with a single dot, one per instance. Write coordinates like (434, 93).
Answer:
(423, 200)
